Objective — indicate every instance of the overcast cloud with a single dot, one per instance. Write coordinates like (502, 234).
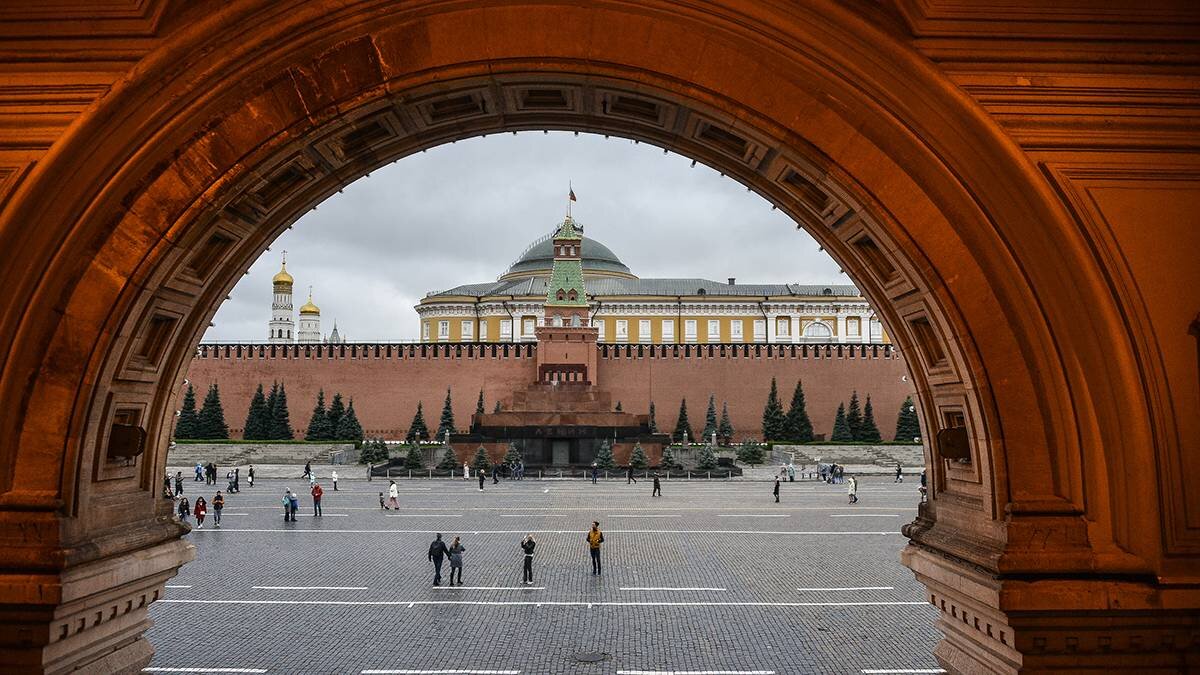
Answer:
(461, 213)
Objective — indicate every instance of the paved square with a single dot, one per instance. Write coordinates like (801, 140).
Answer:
(713, 577)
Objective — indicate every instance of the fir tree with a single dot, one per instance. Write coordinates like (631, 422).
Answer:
(449, 461)
(318, 423)
(619, 406)
(750, 453)
(710, 419)
(337, 410)
(798, 427)
(774, 419)
(257, 421)
(683, 428)
(281, 421)
(513, 456)
(210, 422)
(481, 462)
(651, 422)
(604, 456)
(725, 427)
(668, 461)
(348, 428)
(185, 426)
(707, 460)
(415, 459)
(870, 431)
(854, 419)
(479, 409)
(841, 430)
(417, 431)
(637, 458)
(908, 425)
(272, 401)
(447, 421)
(496, 409)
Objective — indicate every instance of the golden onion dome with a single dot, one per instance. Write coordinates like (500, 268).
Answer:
(282, 277)
(309, 308)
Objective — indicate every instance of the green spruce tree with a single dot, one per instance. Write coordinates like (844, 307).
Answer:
(337, 410)
(854, 419)
(750, 453)
(725, 427)
(210, 422)
(710, 419)
(415, 459)
(449, 461)
(496, 408)
(513, 456)
(281, 421)
(272, 401)
(774, 420)
(447, 421)
(479, 409)
(668, 461)
(707, 459)
(841, 430)
(797, 424)
(604, 456)
(258, 422)
(653, 424)
(870, 430)
(481, 462)
(417, 431)
(683, 428)
(348, 428)
(185, 425)
(318, 423)
(638, 459)
(908, 424)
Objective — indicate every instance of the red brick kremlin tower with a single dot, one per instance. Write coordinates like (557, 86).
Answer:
(563, 417)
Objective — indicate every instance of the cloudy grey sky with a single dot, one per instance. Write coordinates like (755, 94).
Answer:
(461, 213)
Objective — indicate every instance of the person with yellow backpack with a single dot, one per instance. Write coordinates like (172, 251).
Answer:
(594, 538)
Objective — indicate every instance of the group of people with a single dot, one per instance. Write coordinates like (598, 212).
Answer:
(789, 471)
(312, 476)
(291, 501)
(200, 510)
(439, 552)
(832, 473)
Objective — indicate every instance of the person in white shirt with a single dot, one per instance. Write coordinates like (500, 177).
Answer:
(333, 477)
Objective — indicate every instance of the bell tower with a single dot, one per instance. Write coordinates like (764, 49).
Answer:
(567, 343)
(280, 330)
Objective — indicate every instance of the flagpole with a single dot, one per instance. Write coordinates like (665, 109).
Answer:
(570, 191)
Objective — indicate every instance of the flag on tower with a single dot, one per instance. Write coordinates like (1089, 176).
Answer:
(571, 195)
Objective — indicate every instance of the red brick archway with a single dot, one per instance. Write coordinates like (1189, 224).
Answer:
(147, 210)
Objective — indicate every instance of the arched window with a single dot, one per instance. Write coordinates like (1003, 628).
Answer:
(701, 292)
(560, 295)
(571, 296)
(827, 291)
(817, 331)
(575, 323)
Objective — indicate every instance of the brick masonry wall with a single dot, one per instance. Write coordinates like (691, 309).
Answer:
(386, 388)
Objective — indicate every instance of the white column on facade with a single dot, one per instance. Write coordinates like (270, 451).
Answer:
(864, 327)
(796, 326)
(771, 327)
(841, 325)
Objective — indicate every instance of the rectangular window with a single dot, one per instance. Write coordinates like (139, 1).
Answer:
(599, 323)
(783, 327)
(425, 331)
(876, 328)
(505, 330)
(529, 329)
(468, 331)
(689, 330)
(735, 330)
(483, 330)
(852, 327)
(714, 330)
(622, 330)
(760, 330)
(644, 331)
(668, 331)
(443, 330)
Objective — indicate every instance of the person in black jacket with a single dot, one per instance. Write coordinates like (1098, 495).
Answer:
(527, 545)
(437, 553)
(776, 490)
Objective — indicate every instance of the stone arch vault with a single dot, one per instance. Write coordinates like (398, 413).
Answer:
(1019, 226)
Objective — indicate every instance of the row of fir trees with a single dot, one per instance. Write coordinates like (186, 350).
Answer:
(854, 422)
(338, 422)
(208, 423)
(683, 433)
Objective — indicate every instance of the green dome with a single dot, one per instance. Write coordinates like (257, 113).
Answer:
(538, 259)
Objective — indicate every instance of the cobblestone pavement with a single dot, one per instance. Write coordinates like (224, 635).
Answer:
(711, 577)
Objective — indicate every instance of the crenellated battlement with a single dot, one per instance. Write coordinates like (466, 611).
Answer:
(749, 351)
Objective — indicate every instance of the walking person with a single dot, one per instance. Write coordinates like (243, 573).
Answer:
(437, 555)
(495, 477)
(482, 475)
(657, 487)
(370, 469)
(199, 471)
(776, 490)
(393, 496)
(294, 503)
(595, 472)
(218, 504)
(200, 511)
(214, 472)
(899, 474)
(237, 480)
(852, 489)
(629, 476)
(381, 505)
(178, 483)
(527, 546)
(791, 470)
(184, 509)
(594, 538)
(250, 476)
(456, 559)
(333, 477)
(317, 493)
(466, 471)
(307, 469)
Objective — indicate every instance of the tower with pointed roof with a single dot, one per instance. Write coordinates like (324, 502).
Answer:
(566, 301)
(281, 327)
(310, 322)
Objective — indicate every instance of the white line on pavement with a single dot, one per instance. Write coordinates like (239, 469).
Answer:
(176, 586)
(706, 532)
(644, 515)
(204, 670)
(489, 588)
(883, 671)
(324, 515)
(560, 603)
(664, 588)
(440, 672)
(852, 588)
(864, 515)
(310, 588)
(753, 515)
(695, 672)
(424, 515)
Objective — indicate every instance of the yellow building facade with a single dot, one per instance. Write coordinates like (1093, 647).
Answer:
(631, 310)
